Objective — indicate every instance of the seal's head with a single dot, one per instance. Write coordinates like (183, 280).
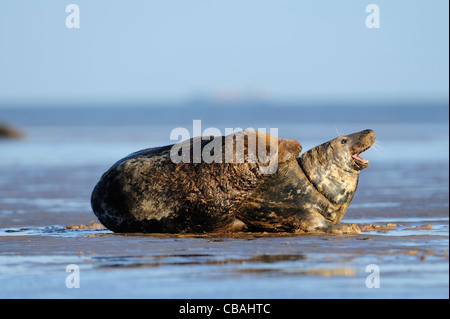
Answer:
(333, 167)
(342, 153)
(346, 149)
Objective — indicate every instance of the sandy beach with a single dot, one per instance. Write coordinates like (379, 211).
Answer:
(46, 224)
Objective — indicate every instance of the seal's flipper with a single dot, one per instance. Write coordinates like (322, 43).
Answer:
(254, 142)
(288, 150)
(235, 225)
(315, 222)
(267, 151)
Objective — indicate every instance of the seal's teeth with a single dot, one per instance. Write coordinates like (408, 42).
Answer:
(356, 157)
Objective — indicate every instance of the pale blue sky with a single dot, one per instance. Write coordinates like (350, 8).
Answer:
(142, 50)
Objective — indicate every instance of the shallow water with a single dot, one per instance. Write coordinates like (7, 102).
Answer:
(46, 180)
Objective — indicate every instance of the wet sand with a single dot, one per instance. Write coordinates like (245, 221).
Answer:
(46, 179)
(405, 234)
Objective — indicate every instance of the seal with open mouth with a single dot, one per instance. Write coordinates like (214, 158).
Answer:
(313, 192)
(147, 192)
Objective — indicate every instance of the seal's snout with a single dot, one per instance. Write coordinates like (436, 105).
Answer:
(370, 135)
(362, 141)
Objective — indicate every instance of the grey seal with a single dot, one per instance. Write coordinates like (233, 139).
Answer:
(148, 192)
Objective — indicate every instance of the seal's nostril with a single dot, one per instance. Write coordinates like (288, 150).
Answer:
(370, 134)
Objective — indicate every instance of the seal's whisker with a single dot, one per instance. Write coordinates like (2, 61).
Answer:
(337, 131)
(378, 145)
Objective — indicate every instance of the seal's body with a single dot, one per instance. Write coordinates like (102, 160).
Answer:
(148, 192)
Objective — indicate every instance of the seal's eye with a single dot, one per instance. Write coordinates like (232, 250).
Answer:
(343, 141)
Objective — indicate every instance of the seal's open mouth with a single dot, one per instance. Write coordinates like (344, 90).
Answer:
(360, 159)
(360, 142)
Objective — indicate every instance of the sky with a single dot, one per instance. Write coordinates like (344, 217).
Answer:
(175, 50)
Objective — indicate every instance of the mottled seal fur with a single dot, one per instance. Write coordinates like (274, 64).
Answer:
(147, 192)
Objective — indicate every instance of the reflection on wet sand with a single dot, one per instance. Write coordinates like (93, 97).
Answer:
(190, 259)
(280, 265)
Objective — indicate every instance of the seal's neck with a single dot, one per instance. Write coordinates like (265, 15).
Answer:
(333, 179)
